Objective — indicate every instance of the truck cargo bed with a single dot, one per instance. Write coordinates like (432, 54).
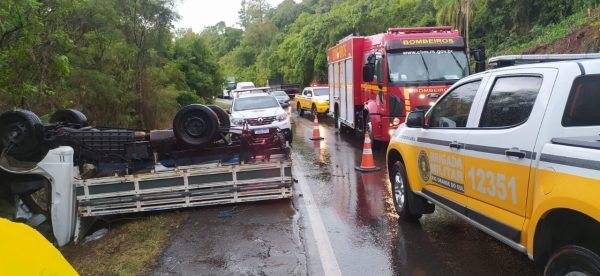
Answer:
(189, 186)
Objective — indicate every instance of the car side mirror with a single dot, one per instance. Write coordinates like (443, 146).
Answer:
(285, 105)
(368, 73)
(415, 119)
(228, 111)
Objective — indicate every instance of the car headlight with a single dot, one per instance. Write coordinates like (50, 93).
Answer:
(237, 121)
(281, 117)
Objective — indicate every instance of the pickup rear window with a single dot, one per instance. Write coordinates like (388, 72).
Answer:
(582, 105)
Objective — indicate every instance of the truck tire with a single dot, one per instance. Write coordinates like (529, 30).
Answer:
(195, 125)
(69, 116)
(401, 192)
(224, 122)
(21, 136)
(573, 260)
(369, 127)
(299, 110)
(336, 118)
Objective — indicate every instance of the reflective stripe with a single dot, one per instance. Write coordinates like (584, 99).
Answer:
(367, 151)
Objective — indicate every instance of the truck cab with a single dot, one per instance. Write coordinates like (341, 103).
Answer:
(513, 151)
(377, 80)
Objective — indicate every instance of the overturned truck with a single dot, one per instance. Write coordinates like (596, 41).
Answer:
(88, 171)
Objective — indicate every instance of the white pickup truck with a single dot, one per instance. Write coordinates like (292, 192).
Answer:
(515, 151)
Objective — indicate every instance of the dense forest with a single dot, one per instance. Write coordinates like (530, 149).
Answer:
(119, 61)
(123, 64)
(291, 40)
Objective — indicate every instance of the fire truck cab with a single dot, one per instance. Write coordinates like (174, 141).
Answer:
(375, 81)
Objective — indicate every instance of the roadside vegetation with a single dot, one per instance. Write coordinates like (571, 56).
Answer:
(291, 39)
(119, 61)
(130, 247)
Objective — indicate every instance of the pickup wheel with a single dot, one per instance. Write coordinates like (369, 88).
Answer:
(69, 116)
(573, 260)
(21, 136)
(299, 110)
(195, 125)
(401, 192)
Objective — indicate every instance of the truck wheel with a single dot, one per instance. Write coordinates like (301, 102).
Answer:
(299, 110)
(369, 127)
(69, 116)
(289, 136)
(400, 193)
(21, 136)
(573, 260)
(224, 122)
(336, 118)
(195, 125)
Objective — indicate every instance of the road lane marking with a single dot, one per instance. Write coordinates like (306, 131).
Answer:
(328, 261)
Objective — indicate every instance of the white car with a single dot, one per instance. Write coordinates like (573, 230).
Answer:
(260, 111)
(244, 85)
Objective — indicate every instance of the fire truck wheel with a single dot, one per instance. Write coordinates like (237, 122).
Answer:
(299, 110)
(401, 192)
(21, 136)
(195, 125)
(224, 122)
(573, 260)
(369, 127)
(69, 116)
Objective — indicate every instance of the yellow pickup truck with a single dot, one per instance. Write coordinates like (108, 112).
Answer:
(515, 152)
(315, 99)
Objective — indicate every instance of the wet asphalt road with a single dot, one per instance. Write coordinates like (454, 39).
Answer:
(364, 233)
(366, 236)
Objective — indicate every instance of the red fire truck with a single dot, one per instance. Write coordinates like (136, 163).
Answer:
(376, 80)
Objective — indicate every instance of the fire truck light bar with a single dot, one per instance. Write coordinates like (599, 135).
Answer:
(417, 30)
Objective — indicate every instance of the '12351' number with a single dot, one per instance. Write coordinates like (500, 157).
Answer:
(493, 184)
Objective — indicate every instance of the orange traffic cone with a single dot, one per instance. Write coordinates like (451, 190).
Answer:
(367, 163)
(316, 132)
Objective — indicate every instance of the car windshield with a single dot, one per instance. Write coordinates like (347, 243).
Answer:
(279, 94)
(427, 66)
(258, 102)
(321, 91)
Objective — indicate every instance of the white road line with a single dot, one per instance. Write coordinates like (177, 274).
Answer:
(328, 260)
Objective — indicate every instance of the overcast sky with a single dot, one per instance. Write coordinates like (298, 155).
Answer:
(197, 14)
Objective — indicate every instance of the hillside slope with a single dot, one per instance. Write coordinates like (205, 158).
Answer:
(579, 33)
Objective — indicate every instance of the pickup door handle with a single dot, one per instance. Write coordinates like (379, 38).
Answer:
(455, 145)
(515, 152)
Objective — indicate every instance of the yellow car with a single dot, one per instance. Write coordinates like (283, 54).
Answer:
(515, 152)
(315, 99)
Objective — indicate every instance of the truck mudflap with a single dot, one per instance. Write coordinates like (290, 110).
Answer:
(183, 187)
